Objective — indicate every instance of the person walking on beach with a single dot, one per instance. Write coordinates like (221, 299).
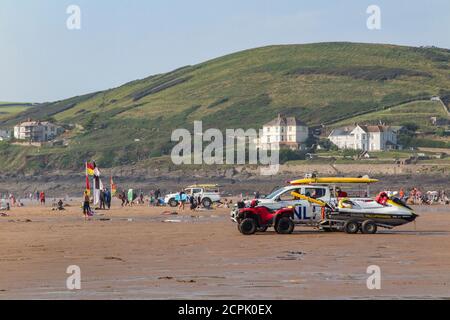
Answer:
(102, 200)
(182, 196)
(42, 198)
(401, 194)
(108, 198)
(193, 203)
(157, 196)
(124, 198)
(141, 198)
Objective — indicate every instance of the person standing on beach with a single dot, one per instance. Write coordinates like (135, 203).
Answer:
(157, 196)
(42, 198)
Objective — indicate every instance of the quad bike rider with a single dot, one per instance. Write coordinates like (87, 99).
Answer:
(258, 219)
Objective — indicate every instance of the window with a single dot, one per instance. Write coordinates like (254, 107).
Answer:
(287, 196)
(315, 193)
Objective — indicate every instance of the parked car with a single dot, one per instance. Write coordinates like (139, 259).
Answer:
(208, 195)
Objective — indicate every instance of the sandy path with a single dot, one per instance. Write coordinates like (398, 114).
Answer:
(206, 258)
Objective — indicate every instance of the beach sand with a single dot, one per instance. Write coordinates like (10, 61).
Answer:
(131, 253)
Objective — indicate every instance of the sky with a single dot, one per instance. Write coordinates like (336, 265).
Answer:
(120, 41)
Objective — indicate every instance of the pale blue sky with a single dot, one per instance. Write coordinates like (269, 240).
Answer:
(41, 60)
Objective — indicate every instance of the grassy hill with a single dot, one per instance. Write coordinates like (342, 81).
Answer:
(318, 83)
(9, 110)
(418, 112)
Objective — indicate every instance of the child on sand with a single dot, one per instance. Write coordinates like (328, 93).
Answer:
(86, 205)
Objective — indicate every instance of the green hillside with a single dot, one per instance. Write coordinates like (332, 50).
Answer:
(318, 83)
(418, 112)
(9, 110)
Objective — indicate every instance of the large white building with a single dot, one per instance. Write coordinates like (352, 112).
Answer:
(283, 132)
(366, 138)
(36, 131)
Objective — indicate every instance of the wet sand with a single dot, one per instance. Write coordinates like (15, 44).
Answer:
(131, 253)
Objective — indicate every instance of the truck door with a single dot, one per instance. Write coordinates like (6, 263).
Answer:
(310, 212)
(196, 192)
(286, 199)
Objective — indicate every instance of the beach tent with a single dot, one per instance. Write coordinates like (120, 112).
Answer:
(3, 205)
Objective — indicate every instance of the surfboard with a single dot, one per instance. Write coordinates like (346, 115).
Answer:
(204, 186)
(331, 180)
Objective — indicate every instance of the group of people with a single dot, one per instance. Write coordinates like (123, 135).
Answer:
(416, 197)
(10, 200)
(105, 199)
(104, 203)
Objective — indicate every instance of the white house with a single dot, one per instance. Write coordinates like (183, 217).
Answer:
(36, 131)
(366, 138)
(5, 135)
(283, 132)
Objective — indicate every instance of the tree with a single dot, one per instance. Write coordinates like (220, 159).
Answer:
(291, 155)
(411, 127)
(327, 145)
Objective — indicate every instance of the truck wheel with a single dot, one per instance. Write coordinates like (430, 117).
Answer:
(206, 203)
(369, 227)
(262, 229)
(351, 227)
(285, 226)
(173, 203)
(247, 226)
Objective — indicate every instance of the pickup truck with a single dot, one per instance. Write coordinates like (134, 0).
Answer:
(305, 212)
(208, 195)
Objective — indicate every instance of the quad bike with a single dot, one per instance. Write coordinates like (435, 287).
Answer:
(259, 219)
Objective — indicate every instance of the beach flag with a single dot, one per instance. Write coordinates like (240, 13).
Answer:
(88, 187)
(90, 168)
(113, 187)
(97, 187)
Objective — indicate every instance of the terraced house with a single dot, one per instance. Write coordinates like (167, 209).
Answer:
(366, 138)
